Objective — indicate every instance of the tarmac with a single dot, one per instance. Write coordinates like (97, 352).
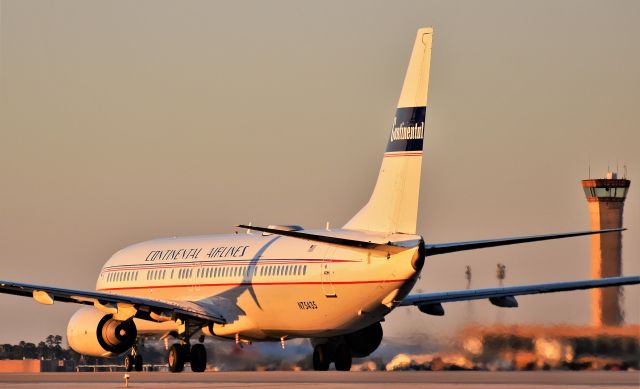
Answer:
(331, 379)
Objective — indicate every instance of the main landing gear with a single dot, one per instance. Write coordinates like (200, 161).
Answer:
(133, 361)
(324, 354)
(179, 353)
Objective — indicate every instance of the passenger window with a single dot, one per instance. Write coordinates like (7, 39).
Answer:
(304, 270)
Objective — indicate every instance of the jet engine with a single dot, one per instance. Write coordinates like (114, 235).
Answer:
(365, 341)
(92, 332)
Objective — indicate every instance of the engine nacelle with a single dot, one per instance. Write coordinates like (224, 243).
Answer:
(92, 332)
(365, 341)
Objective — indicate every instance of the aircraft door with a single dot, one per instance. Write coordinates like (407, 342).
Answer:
(196, 277)
(326, 274)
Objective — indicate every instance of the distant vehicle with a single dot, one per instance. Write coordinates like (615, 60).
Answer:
(282, 282)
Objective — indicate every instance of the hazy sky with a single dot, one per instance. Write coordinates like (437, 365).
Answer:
(123, 121)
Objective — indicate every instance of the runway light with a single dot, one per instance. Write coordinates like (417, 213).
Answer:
(126, 380)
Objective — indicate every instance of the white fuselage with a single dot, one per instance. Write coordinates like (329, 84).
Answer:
(267, 287)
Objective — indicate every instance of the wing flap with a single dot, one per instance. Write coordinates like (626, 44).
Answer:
(496, 293)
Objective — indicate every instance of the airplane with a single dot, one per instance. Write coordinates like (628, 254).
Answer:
(280, 282)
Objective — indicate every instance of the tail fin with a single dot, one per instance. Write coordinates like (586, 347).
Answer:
(393, 206)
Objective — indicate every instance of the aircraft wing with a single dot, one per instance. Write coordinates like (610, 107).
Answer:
(506, 295)
(443, 248)
(121, 306)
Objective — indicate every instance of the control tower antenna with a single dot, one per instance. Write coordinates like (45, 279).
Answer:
(501, 273)
(467, 276)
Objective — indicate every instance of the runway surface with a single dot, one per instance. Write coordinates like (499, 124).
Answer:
(332, 379)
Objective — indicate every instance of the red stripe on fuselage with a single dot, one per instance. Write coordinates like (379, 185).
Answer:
(256, 284)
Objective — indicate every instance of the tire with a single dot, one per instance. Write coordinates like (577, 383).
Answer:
(137, 362)
(128, 362)
(198, 358)
(176, 358)
(343, 357)
(321, 359)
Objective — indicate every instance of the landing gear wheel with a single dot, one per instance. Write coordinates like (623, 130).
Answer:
(343, 357)
(176, 358)
(137, 362)
(198, 358)
(128, 362)
(321, 359)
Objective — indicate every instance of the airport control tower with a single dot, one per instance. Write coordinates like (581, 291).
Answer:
(606, 202)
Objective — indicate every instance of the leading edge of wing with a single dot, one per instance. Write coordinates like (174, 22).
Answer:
(144, 306)
(476, 294)
(443, 248)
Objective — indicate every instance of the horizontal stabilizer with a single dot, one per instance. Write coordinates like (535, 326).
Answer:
(335, 240)
(443, 248)
(502, 295)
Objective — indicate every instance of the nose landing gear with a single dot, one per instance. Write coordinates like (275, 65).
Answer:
(134, 360)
